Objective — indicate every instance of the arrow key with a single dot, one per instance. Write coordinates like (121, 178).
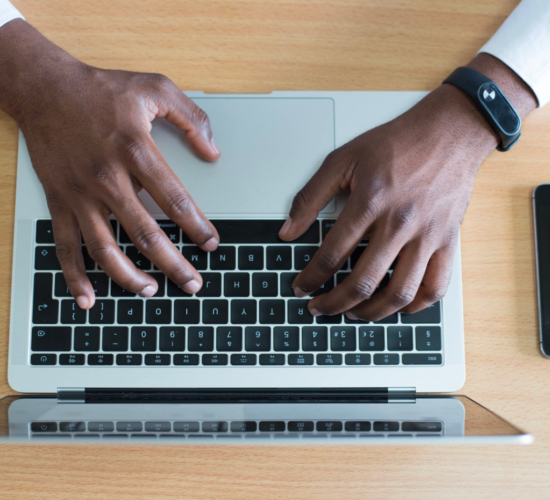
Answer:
(44, 231)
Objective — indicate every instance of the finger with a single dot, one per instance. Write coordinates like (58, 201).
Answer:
(69, 253)
(152, 242)
(402, 287)
(367, 274)
(314, 196)
(103, 249)
(339, 243)
(172, 197)
(182, 112)
(435, 282)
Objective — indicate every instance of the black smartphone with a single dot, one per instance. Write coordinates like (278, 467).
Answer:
(541, 218)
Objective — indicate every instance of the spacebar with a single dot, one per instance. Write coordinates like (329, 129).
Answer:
(259, 231)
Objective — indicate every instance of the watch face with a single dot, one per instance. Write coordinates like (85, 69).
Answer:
(502, 112)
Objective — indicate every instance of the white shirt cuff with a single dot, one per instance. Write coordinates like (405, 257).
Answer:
(8, 12)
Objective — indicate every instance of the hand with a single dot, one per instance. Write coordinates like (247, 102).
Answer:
(409, 181)
(88, 135)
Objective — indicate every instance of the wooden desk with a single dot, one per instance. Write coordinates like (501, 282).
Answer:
(254, 46)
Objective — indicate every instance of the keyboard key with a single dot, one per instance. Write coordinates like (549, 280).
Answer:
(386, 359)
(279, 258)
(421, 426)
(115, 338)
(314, 338)
(388, 320)
(428, 338)
(71, 314)
(214, 427)
(400, 338)
(45, 259)
(44, 426)
(259, 232)
(329, 426)
(355, 255)
(86, 338)
(186, 359)
(243, 312)
(215, 312)
(422, 359)
(157, 359)
(214, 359)
(386, 426)
(102, 313)
(129, 359)
(43, 359)
(61, 289)
(211, 285)
(174, 290)
(139, 260)
(432, 314)
(45, 309)
(251, 258)
(89, 263)
(118, 291)
(44, 231)
(100, 359)
(196, 257)
(298, 312)
(340, 277)
(371, 338)
(300, 359)
(243, 359)
(326, 287)
(157, 426)
(343, 338)
(250, 426)
(161, 281)
(286, 338)
(300, 426)
(287, 279)
(303, 256)
(323, 319)
(100, 283)
(158, 312)
(129, 427)
(186, 427)
(144, 338)
(51, 338)
(265, 285)
(72, 427)
(272, 359)
(358, 426)
(171, 229)
(229, 338)
(101, 426)
(187, 312)
(272, 426)
(71, 359)
(236, 284)
(257, 338)
(201, 339)
(130, 312)
(172, 338)
(272, 311)
(357, 359)
(326, 226)
(223, 258)
(329, 359)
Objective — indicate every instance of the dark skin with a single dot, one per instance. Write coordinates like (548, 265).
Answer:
(88, 134)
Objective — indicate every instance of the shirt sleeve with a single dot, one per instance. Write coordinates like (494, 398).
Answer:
(523, 44)
(8, 12)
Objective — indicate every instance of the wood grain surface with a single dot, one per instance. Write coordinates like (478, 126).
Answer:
(259, 46)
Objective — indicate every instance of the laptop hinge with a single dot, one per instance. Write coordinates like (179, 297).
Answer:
(71, 395)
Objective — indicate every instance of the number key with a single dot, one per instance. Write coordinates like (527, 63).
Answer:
(371, 338)
(172, 338)
(342, 338)
(286, 338)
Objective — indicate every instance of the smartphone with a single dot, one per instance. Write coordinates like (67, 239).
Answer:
(541, 219)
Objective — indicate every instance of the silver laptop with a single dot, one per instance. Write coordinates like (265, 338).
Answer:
(244, 339)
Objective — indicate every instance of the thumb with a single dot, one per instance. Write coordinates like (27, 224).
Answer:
(313, 197)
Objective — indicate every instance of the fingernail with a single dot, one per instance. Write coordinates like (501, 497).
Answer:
(214, 146)
(300, 292)
(286, 227)
(314, 312)
(211, 245)
(350, 315)
(148, 291)
(192, 287)
(82, 301)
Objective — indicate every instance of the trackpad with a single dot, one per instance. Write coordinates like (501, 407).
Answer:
(270, 148)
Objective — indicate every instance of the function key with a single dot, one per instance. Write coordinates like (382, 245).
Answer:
(314, 338)
(257, 338)
(44, 231)
(158, 426)
(223, 258)
(272, 426)
(432, 314)
(243, 359)
(171, 229)
(186, 427)
(357, 359)
(422, 359)
(100, 359)
(371, 338)
(101, 426)
(129, 426)
(400, 338)
(71, 359)
(186, 360)
(102, 313)
(86, 338)
(45, 259)
(329, 426)
(300, 426)
(329, 359)
(421, 426)
(279, 258)
(428, 338)
(172, 338)
(286, 338)
(343, 338)
(386, 359)
(128, 359)
(71, 313)
(139, 260)
(195, 256)
(43, 359)
(44, 426)
(303, 256)
(272, 359)
(72, 426)
(251, 258)
(240, 426)
(300, 359)
(214, 427)
(265, 284)
(358, 426)
(386, 426)
(157, 359)
(52, 338)
(214, 359)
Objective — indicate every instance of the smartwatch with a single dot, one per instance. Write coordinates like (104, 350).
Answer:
(491, 102)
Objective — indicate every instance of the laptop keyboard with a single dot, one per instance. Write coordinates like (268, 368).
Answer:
(246, 313)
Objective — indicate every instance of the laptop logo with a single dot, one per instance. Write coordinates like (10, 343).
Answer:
(489, 95)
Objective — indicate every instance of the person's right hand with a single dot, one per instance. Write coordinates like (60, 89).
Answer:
(88, 135)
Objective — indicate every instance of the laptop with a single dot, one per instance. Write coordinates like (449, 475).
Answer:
(244, 330)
